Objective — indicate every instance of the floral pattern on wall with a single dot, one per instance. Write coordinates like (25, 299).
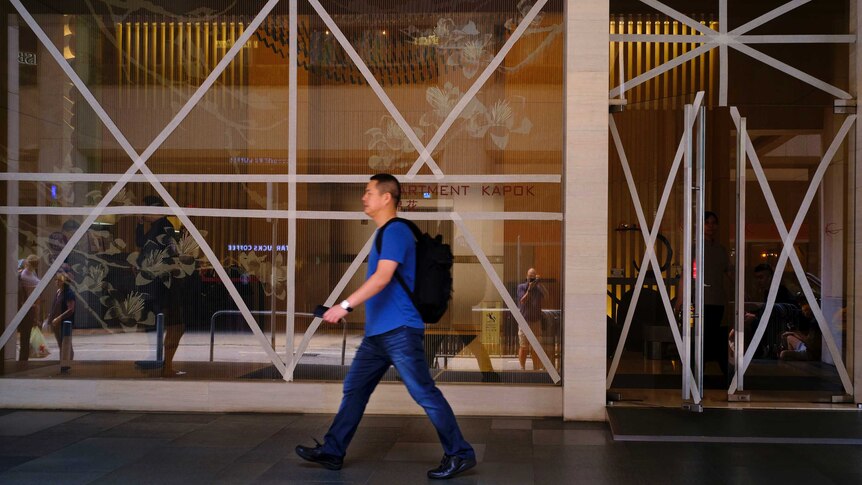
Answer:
(465, 47)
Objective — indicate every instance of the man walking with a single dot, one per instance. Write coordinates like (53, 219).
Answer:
(394, 334)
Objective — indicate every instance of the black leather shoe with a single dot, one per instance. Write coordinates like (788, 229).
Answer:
(316, 455)
(451, 466)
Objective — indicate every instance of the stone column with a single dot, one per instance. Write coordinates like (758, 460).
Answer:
(586, 206)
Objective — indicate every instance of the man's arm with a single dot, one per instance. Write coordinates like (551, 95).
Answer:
(372, 286)
(677, 302)
(171, 236)
(69, 311)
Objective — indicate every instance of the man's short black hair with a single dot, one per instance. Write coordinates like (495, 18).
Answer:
(153, 201)
(388, 184)
(71, 225)
(760, 268)
(708, 214)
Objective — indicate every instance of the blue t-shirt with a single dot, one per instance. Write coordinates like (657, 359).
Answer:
(392, 307)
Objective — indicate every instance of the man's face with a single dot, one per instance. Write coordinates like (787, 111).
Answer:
(373, 201)
(531, 275)
(763, 279)
(710, 227)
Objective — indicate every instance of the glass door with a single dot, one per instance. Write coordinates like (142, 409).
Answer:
(655, 339)
(793, 245)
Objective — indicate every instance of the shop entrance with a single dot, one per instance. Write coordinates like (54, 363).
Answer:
(727, 232)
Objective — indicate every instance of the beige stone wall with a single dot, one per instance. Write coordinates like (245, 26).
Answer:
(265, 397)
(586, 209)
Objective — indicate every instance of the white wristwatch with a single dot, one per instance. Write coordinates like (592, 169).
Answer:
(346, 305)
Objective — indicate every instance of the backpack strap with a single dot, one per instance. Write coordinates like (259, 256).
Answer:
(379, 243)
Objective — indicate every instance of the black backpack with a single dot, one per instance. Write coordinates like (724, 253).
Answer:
(433, 282)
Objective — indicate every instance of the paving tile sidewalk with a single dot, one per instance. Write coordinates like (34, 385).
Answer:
(164, 448)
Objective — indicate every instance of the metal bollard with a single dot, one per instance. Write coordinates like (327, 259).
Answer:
(160, 337)
(160, 346)
(66, 346)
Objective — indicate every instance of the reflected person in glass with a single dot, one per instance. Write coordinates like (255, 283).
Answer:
(155, 264)
(531, 293)
(28, 278)
(63, 307)
(394, 335)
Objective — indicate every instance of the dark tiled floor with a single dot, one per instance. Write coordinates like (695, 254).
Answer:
(725, 425)
(160, 448)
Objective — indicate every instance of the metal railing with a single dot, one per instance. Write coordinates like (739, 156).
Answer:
(270, 313)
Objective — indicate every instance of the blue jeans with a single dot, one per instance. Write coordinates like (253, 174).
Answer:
(403, 348)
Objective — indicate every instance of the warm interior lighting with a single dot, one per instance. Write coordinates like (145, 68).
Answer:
(105, 220)
(635, 58)
(68, 38)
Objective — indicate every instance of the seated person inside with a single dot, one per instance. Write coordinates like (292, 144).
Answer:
(784, 310)
(802, 340)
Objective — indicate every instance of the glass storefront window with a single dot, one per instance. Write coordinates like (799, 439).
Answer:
(209, 261)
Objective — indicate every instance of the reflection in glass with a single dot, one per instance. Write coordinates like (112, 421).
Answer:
(151, 300)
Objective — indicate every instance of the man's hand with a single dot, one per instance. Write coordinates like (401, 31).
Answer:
(334, 314)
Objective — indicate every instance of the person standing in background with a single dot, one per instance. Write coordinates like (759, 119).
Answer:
(27, 281)
(716, 275)
(155, 260)
(63, 308)
(530, 296)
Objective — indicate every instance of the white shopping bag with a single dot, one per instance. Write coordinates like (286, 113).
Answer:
(38, 346)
